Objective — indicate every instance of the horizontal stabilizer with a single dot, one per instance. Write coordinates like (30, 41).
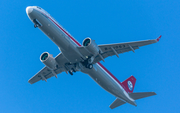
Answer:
(140, 95)
(117, 103)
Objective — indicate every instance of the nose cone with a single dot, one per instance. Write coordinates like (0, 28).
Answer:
(29, 9)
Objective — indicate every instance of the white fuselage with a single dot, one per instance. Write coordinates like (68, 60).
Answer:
(68, 46)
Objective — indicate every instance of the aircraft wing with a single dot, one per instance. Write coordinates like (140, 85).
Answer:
(46, 73)
(115, 49)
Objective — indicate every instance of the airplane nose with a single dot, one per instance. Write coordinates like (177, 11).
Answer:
(29, 9)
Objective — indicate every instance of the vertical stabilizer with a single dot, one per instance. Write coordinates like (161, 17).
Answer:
(129, 84)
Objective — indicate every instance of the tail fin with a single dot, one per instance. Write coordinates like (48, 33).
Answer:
(129, 84)
(136, 96)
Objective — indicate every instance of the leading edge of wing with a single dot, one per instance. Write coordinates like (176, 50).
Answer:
(153, 40)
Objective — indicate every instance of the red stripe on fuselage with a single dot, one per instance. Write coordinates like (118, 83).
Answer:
(62, 29)
(66, 33)
(112, 76)
(80, 45)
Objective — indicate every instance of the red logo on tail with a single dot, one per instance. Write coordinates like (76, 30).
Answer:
(129, 84)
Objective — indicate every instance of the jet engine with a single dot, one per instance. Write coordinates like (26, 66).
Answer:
(48, 60)
(91, 46)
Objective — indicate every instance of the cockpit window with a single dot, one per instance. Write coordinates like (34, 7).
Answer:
(38, 7)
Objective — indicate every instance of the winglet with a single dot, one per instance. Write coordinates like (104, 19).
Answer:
(158, 38)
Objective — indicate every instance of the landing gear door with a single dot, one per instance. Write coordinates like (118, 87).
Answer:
(36, 23)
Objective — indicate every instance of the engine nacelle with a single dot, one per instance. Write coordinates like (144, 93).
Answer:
(48, 60)
(91, 46)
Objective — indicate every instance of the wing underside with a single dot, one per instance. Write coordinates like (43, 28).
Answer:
(115, 49)
(46, 73)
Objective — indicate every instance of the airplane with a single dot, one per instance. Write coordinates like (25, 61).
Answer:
(85, 58)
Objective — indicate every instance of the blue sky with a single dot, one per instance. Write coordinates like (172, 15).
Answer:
(156, 67)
